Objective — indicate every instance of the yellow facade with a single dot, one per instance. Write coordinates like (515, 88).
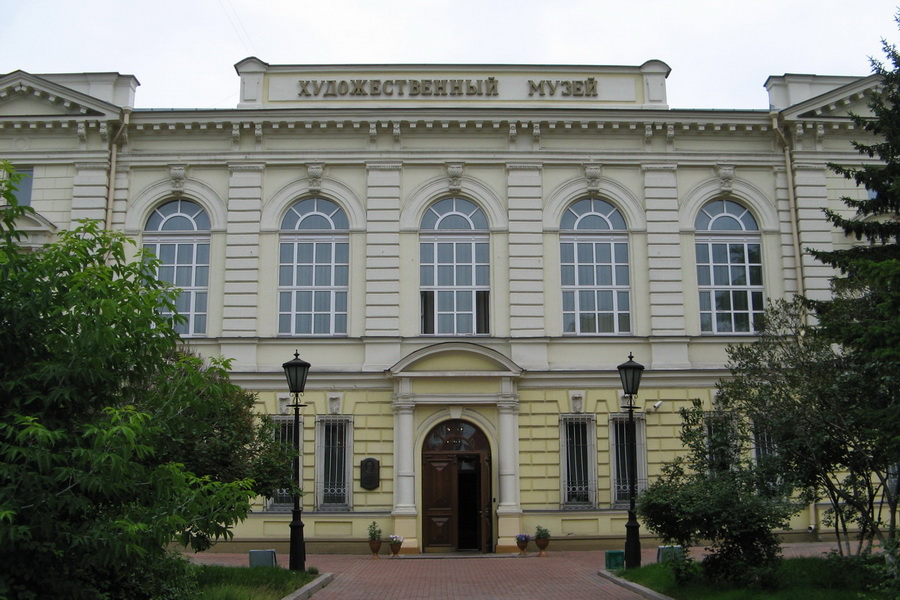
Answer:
(504, 411)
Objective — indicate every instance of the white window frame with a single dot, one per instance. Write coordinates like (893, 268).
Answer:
(619, 484)
(188, 268)
(586, 457)
(25, 187)
(586, 303)
(731, 288)
(595, 271)
(455, 290)
(327, 474)
(314, 282)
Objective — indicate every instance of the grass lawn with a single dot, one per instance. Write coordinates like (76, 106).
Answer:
(244, 583)
(799, 578)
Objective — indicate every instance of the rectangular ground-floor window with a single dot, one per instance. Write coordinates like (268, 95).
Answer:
(621, 447)
(578, 456)
(334, 462)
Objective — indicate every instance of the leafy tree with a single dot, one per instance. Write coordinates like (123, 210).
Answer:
(822, 414)
(716, 494)
(94, 403)
(209, 425)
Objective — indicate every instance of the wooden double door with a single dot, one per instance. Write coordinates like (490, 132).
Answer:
(456, 489)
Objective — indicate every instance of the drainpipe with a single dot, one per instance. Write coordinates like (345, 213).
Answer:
(792, 202)
(113, 155)
(798, 256)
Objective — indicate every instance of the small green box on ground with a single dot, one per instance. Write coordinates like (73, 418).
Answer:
(615, 560)
(667, 553)
(263, 558)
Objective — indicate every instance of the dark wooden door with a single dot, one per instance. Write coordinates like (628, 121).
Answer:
(457, 506)
(439, 499)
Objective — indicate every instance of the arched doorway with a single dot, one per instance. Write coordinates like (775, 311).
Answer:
(456, 489)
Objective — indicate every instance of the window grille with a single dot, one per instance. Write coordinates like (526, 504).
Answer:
(620, 452)
(334, 457)
(720, 441)
(282, 500)
(578, 456)
(763, 445)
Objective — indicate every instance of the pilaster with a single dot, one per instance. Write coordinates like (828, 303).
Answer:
(811, 190)
(526, 250)
(89, 189)
(240, 295)
(383, 249)
(664, 258)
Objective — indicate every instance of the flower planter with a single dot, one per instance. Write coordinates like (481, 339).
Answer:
(395, 548)
(542, 544)
(374, 546)
(522, 544)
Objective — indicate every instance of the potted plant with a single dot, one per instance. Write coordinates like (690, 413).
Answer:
(541, 539)
(396, 542)
(374, 539)
(522, 542)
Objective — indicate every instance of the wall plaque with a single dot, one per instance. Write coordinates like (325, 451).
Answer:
(369, 473)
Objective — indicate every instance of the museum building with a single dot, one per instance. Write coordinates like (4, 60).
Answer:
(464, 253)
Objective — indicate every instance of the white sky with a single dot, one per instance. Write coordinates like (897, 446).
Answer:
(183, 51)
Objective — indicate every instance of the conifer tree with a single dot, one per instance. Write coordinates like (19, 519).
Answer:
(865, 311)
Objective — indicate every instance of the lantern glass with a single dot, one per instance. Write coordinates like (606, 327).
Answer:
(631, 372)
(296, 371)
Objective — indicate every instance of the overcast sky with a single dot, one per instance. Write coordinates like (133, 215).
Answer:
(183, 51)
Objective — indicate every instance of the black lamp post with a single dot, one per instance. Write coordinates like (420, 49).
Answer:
(631, 372)
(296, 371)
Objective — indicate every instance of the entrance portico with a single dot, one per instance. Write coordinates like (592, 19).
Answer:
(456, 488)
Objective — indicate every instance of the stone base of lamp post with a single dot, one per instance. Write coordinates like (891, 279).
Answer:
(632, 542)
(298, 545)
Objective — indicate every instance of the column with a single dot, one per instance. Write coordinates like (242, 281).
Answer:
(509, 509)
(405, 513)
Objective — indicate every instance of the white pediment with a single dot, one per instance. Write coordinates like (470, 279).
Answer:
(37, 231)
(836, 104)
(24, 96)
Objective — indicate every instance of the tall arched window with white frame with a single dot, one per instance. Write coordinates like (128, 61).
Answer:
(596, 282)
(177, 233)
(729, 268)
(314, 269)
(454, 269)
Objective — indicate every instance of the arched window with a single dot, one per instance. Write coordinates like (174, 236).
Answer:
(177, 232)
(314, 265)
(595, 273)
(454, 269)
(729, 268)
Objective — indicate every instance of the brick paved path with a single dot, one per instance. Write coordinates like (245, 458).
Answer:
(571, 575)
(567, 575)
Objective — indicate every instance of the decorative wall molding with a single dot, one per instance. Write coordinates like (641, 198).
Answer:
(454, 174)
(177, 175)
(593, 171)
(314, 173)
(725, 173)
